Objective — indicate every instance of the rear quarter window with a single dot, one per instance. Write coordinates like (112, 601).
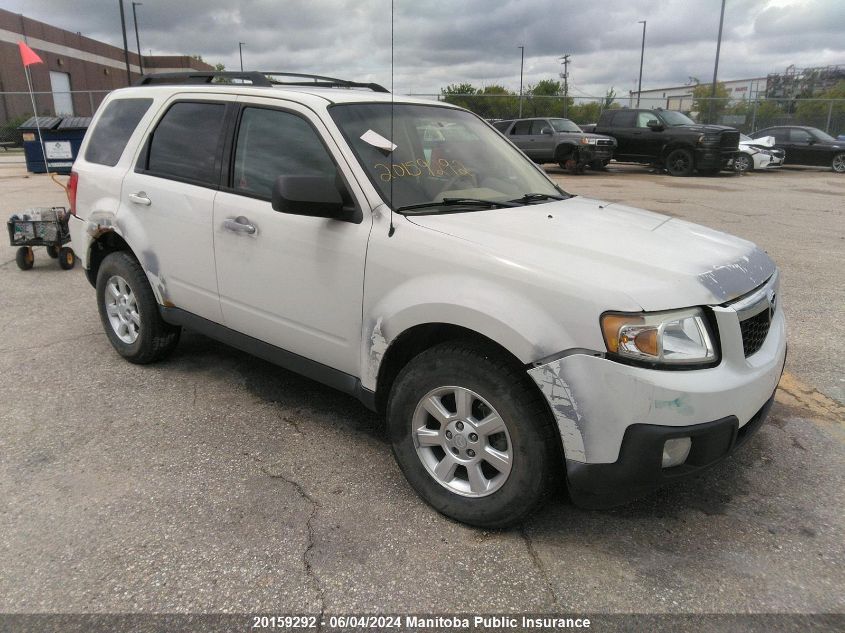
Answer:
(114, 127)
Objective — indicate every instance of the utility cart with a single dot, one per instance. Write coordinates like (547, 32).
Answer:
(41, 226)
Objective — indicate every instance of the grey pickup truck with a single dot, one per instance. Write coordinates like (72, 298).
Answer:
(560, 141)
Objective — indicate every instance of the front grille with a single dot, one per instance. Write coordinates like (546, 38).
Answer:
(729, 139)
(754, 331)
(604, 141)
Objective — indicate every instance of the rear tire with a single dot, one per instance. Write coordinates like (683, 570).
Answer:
(489, 474)
(838, 163)
(129, 311)
(679, 162)
(24, 258)
(599, 165)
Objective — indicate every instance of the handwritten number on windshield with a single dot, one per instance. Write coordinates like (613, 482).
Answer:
(436, 169)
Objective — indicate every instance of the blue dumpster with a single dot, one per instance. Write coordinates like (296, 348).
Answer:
(62, 137)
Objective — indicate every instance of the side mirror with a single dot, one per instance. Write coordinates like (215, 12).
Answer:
(655, 125)
(314, 196)
(546, 130)
(811, 140)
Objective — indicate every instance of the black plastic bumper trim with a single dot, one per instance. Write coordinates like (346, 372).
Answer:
(639, 467)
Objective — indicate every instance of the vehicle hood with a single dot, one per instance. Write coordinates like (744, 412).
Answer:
(699, 127)
(763, 141)
(657, 261)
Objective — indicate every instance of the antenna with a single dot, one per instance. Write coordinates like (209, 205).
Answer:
(392, 229)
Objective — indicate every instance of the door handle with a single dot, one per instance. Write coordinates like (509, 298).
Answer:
(140, 198)
(239, 224)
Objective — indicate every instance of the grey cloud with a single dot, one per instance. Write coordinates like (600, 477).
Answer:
(439, 42)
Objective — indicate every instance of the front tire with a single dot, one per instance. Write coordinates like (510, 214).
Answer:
(838, 163)
(24, 258)
(743, 164)
(129, 311)
(472, 434)
(679, 162)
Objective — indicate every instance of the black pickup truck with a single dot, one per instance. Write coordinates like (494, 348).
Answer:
(669, 139)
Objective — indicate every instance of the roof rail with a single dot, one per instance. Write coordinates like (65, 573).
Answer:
(255, 78)
(203, 77)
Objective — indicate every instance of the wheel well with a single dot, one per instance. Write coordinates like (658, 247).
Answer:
(564, 150)
(671, 148)
(108, 242)
(418, 339)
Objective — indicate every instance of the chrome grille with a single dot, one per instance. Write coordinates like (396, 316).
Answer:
(755, 312)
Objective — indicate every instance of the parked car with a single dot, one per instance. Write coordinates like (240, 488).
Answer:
(501, 325)
(757, 153)
(669, 139)
(555, 140)
(807, 146)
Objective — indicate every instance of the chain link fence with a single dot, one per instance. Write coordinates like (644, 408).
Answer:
(747, 115)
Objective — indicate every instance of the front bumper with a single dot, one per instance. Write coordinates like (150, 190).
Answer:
(589, 153)
(607, 411)
(713, 158)
(639, 468)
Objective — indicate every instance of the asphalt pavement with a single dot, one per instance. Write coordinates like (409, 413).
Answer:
(214, 481)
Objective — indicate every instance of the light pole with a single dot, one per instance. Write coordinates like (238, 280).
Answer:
(521, 66)
(716, 66)
(241, 54)
(137, 39)
(642, 55)
(125, 44)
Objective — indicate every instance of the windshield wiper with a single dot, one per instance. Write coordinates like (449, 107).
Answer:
(462, 202)
(537, 197)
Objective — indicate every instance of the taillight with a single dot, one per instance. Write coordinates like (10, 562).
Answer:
(71, 191)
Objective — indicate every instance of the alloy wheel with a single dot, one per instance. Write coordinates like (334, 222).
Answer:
(462, 441)
(122, 309)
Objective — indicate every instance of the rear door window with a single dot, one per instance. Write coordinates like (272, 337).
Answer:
(625, 119)
(114, 127)
(187, 143)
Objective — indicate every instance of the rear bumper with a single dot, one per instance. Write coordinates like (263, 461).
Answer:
(639, 467)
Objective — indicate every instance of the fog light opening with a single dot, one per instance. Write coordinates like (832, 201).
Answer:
(676, 451)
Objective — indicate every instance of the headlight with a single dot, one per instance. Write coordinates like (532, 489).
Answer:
(680, 337)
(709, 139)
(587, 141)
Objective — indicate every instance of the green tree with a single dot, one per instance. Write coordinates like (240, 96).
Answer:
(545, 98)
(815, 113)
(460, 95)
(709, 109)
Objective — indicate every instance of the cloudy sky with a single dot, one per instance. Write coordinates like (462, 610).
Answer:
(438, 42)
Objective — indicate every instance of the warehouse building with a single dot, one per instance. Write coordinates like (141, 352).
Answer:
(77, 71)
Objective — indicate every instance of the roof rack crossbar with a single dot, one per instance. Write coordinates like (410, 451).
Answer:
(254, 78)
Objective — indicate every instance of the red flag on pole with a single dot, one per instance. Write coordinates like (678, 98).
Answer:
(28, 56)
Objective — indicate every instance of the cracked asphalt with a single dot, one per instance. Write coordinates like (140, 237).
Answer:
(217, 482)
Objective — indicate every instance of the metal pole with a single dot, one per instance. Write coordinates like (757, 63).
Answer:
(642, 55)
(716, 66)
(125, 44)
(241, 54)
(137, 39)
(37, 122)
(754, 117)
(565, 85)
(521, 66)
(829, 115)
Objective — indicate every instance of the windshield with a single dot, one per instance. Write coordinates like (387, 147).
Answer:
(671, 117)
(440, 154)
(565, 125)
(822, 136)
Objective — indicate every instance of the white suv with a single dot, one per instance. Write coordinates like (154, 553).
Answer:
(405, 252)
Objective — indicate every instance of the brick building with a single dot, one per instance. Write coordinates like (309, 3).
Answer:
(77, 71)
